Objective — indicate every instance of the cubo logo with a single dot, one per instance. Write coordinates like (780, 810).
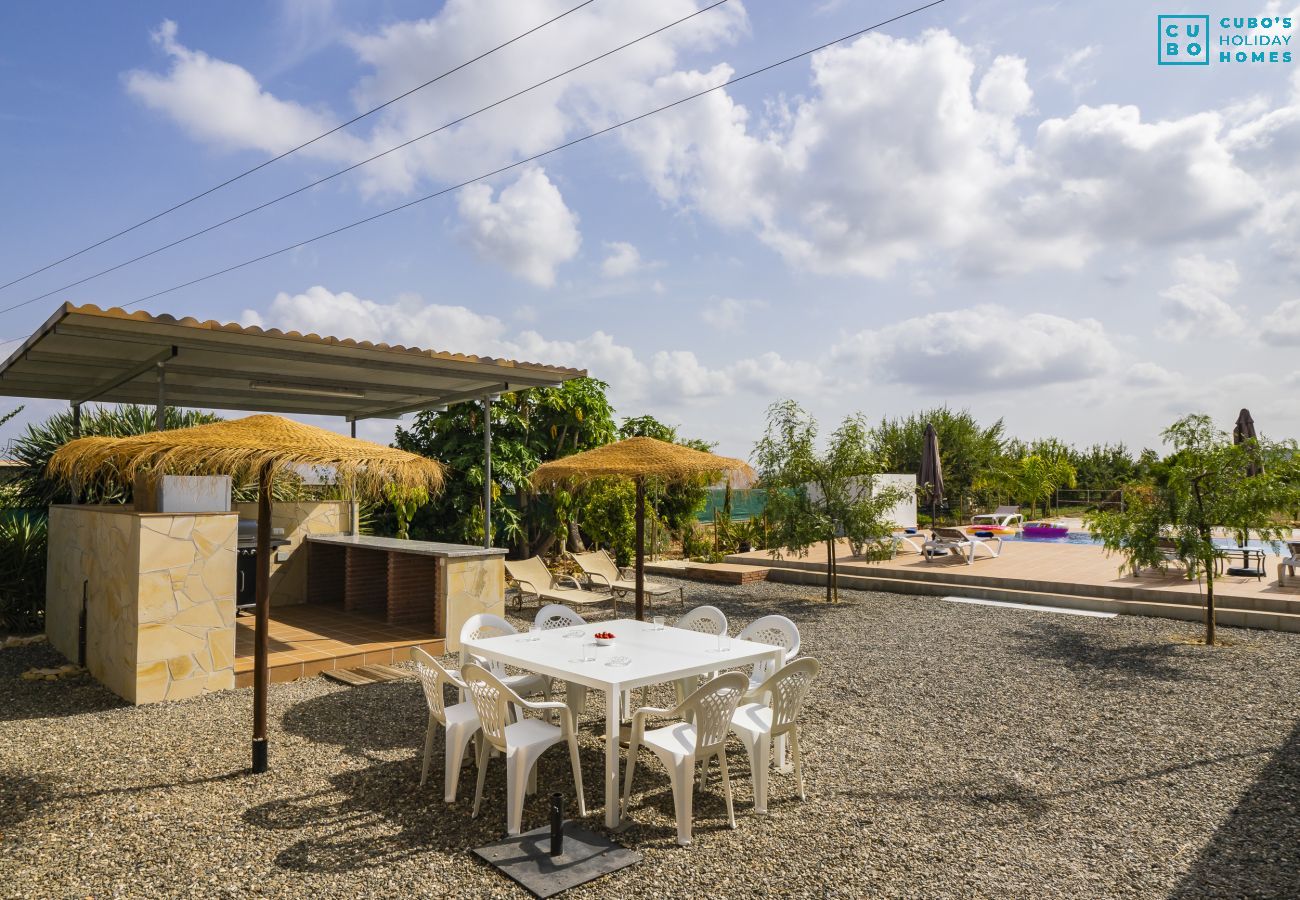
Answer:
(1184, 40)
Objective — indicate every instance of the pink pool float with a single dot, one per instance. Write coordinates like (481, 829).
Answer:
(1045, 530)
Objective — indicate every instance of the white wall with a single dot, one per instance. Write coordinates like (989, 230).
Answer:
(904, 512)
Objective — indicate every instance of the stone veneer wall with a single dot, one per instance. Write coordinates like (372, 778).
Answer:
(467, 587)
(297, 520)
(160, 598)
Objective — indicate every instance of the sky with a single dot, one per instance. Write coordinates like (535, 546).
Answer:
(1003, 206)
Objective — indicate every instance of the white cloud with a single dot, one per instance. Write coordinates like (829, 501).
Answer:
(219, 102)
(728, 312)
(1194, 306)
(983, 348)
(1282, 325)
(409, 321)
(1073, 68)
(668, 378)
(528, 229)
(621, 259)
(907, 150)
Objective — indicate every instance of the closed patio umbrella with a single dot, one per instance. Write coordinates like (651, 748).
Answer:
(931, 474)
(638, 458)
(256, 447)
(1242, 431)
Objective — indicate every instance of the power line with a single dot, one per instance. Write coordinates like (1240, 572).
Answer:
(594, 134)
(357, 165)
(262, 165)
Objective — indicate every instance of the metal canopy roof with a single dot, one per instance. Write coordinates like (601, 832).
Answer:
(84, 354)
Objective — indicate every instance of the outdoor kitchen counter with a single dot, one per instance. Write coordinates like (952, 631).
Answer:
(396, 545)
(402, 582)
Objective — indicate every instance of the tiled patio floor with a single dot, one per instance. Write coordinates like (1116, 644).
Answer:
(1056, 568)
(309, 639)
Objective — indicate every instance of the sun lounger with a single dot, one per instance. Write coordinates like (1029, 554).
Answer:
(537, 581)
(913, 540)
(956, 541)
(1002, 517)
(604, 574)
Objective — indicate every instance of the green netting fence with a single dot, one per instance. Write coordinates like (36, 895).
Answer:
(745, 505)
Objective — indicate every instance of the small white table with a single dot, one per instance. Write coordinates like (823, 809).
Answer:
(657, 656)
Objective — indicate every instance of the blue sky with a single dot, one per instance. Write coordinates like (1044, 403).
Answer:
(1005, 206)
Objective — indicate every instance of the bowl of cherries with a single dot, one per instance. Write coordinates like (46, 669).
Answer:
(604, 638)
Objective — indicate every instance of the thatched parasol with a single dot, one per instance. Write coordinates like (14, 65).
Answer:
(638, 458)
(253, 447)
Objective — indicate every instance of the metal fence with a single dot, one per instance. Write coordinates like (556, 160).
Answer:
(1093, 498)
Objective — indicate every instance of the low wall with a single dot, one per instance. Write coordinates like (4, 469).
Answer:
(159, 595)
(296, 521)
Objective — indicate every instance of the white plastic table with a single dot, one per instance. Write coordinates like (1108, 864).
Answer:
(657, 656)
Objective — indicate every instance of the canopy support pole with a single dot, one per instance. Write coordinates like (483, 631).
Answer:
(355, 504)
(263, 625)
(487, 471)
(640, 549)
(160, 414)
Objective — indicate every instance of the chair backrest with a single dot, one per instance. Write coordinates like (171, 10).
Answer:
(598, 562)
(775, 630)
(483, 625)
(711, 708)
(1294, 547)
(704, 619)
(531, 570)
(786, 691)
(1007, 511)
(433, 677)
(491, 699)
(557, 615)
(951, 534)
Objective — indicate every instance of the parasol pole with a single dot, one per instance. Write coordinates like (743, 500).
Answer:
(263, 617)
(640, 549)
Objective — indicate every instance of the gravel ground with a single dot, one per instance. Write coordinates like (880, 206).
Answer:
(951, 751)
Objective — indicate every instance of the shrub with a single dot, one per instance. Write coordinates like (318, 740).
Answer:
(22, 572)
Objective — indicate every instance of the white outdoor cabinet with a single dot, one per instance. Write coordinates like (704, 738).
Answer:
(182, 493)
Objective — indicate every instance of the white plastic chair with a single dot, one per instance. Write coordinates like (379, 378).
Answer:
(557, 615)
(777, 631)
(705, 620)
(681, 745)
(522, 742)
(460, 722)
(485, 625)
(756, 724)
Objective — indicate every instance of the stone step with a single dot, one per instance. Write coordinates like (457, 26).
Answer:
(1226, 614)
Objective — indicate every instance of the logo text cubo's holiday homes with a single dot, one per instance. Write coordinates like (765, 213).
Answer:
(1196, 40)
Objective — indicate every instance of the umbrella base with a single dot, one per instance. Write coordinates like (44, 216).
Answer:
(259, 756)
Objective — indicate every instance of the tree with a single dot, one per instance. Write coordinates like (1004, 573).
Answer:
(406, 502)
(814, 495)
(528, 428)
(966, 448)
(34, 448)
(1203, 486)
(1028, 479)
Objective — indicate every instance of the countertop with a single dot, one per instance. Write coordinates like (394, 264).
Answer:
(418, 548)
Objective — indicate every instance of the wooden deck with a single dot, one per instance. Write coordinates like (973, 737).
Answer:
(1073, 575)
(309, 639)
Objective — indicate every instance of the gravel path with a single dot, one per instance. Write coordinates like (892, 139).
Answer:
(951, 751)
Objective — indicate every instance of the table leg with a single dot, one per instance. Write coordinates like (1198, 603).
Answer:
(612, 701)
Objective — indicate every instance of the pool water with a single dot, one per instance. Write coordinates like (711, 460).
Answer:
(1083, 537)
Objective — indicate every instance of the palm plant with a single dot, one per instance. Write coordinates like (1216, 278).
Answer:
(34, 449)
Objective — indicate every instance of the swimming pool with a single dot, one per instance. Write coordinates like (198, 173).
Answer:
(1083, 537)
